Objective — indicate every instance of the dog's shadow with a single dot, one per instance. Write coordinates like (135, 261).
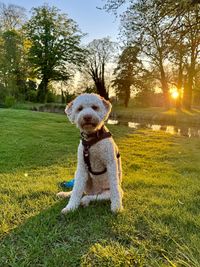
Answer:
(53, 239)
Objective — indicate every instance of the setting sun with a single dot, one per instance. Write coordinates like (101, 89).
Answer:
(174, 92)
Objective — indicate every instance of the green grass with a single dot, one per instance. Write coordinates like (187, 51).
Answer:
(158, 114)
(159, 226)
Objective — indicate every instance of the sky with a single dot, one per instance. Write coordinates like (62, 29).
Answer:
(96, 23)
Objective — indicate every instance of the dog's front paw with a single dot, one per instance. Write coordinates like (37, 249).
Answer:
(85, 201)
(116, 208)
(68, 209)
(63, 194)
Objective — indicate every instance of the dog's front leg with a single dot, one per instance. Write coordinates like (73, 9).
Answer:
(81, 177)
(115, 188)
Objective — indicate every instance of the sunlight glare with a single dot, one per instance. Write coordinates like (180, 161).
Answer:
(174, 93)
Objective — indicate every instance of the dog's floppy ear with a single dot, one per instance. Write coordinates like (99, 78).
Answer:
(68, 111)
(107, 106)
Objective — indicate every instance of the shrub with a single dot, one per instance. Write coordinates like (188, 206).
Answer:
(9, 101)
(50, 97)
(32, 96)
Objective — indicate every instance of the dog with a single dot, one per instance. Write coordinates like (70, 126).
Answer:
(99, 173)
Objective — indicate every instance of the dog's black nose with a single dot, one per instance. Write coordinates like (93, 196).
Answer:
(87, 118)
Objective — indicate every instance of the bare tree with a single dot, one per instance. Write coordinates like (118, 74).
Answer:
(100, 53)
(11, 16)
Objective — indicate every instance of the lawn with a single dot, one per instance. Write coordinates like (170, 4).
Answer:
(159, 226)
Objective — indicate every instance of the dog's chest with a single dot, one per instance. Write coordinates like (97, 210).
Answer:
(97, 157)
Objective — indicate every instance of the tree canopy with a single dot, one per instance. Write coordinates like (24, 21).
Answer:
(55, 45)
(162, 29)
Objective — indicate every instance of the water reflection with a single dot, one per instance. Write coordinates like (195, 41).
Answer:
(183, 130)
(155, 127)
(134, 125)
(113, 121)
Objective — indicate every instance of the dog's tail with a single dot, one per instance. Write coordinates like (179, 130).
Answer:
(64, 194)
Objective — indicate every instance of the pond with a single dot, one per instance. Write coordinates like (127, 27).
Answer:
(179, 130)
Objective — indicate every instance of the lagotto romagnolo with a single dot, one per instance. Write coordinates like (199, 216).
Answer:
(98, 175)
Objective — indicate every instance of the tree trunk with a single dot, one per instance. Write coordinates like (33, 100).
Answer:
(127, 97)
(164, 84)
(180, 81)
(187, 96)
(101, 90)
(165, 88)
(63, 98)
(42, 90)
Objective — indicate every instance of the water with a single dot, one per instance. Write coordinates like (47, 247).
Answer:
(183, 130)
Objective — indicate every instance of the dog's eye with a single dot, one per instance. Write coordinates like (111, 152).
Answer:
(79, 109)
(95, 107)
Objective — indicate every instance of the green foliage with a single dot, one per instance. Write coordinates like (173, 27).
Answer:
(9, 101)
(50, 97)
(160, 223)
(125, 73)
(2, 93)
(55, 46)
(165, 31)
(12, 66)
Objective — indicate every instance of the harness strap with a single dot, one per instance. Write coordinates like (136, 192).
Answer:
(86, 156)
(100, 135)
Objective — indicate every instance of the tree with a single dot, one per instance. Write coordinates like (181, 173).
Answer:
(12, 54)
(153, 24)
(144, 24)
(12, 17)
(100, 53)
(125, 73)
(192, 40)
(55, 46)
(12, 69)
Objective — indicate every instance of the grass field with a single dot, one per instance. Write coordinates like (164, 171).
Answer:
(159, 226)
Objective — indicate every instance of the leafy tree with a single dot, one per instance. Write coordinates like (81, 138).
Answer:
(192, 40)
(12, 53)
(12, 69)
(160, 28)
(55, 46)
(126, 72)
(100, 53)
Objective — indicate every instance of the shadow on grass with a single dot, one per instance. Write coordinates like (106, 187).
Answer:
(52, 239)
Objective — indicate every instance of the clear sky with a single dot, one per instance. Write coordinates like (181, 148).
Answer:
(97, 23)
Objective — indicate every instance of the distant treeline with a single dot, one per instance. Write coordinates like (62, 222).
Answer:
(158, 61)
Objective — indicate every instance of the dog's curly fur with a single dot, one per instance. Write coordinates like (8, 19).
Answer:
(89, 112)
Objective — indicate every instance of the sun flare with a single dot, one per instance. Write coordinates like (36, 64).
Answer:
(174, 93)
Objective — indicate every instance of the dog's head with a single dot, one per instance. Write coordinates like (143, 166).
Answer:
(88, 112)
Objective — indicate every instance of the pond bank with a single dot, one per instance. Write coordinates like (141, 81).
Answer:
(152, 115)
(159, 115)
(178, 129)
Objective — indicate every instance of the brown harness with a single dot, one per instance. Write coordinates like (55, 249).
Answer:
(94, 138)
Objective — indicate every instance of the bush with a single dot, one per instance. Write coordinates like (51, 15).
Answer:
(50, 97)
(9, 101)
(2, 93)
(32, 96)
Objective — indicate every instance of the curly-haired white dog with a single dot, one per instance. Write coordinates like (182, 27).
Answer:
(98, 175)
